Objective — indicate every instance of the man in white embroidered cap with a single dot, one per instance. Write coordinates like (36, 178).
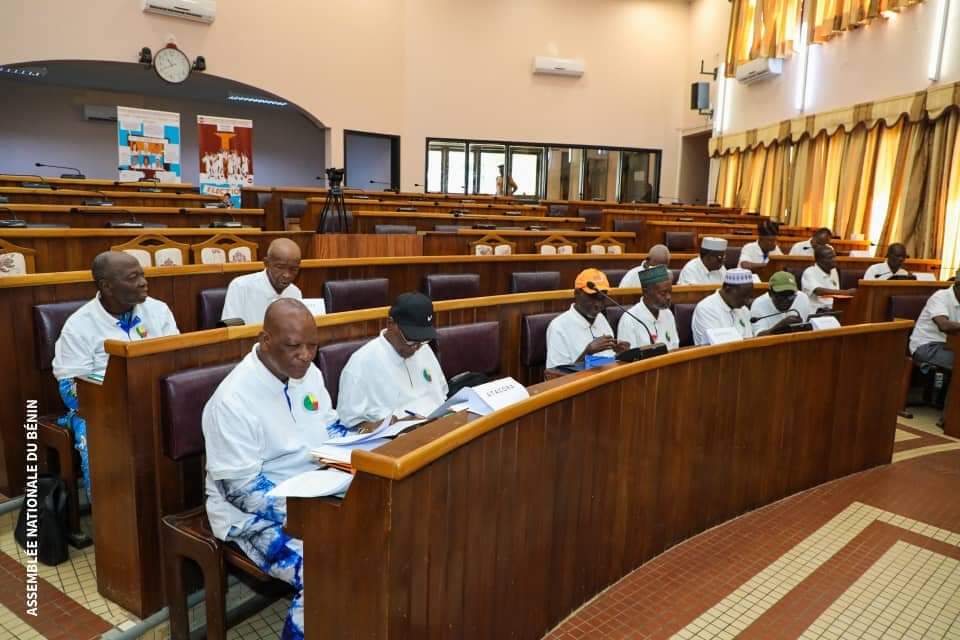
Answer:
(708, 268)
(725, 308)
(396, 372)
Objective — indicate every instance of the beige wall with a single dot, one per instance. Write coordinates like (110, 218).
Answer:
(417, 68)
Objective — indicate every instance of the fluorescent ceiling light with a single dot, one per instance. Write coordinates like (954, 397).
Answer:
(939, 41)
(25, 72)
(258, 100)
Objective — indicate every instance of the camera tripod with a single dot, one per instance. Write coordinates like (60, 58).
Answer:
(334, 204)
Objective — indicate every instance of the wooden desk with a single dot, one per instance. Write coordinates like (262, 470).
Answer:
(136, 485)
(99, 217)
(95, 184)
(366, 221)
(641, 216)
(179, 287)
(951, 409)
(501, 526)
(76, 197)
(646, 206)
(872, 300)
(785, 242)
(74, 249)
(844, 263)
(443, 206)
(441, 243)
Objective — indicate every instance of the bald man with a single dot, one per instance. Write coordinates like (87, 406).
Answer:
(121, 310)
(258, 428)
(658, 255)
(249, 296)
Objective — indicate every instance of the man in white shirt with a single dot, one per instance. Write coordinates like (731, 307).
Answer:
(892, 266)
(653, 311)
(249, 296)
(756, 255)
(725, 308)
(708, 268)
(258, 429)
(395, 373)
(822, 280)
(122, 311)
(807, 247)
(658, 254)
(582, 330)
(940, 317)
(781, 306)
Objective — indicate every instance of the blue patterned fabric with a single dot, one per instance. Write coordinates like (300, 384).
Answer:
(72, 420)
(266, 544)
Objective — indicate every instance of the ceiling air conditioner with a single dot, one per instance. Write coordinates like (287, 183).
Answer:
(197, 10)
(759, 69)
(99, 113)
(558, 66)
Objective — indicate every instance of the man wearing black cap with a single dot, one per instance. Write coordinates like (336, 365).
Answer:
(396, 372)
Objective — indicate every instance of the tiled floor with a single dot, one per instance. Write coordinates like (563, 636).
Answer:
(875, 555)
(872, 556)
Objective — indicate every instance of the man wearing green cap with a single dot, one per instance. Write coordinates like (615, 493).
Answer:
(782, 305)
(653, 310)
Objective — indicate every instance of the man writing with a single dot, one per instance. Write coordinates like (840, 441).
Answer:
(781, 306)
(940, 317)
(756, 255)
(653, 311)
(583, 330)
(708, 268)
(395, 373)
(249, 296)
(121, 310)
(822, 280)
(891, 267)
(725, 308)
(658, 255)
(258, 428)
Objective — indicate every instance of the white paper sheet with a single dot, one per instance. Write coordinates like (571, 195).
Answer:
(342, 453)
(313, 484)
(317, 306)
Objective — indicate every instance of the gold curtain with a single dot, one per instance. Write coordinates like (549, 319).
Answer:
(856, 178)
(827, 18)
(761, 29)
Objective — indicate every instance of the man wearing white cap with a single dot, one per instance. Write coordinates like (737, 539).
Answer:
(708, 268)
(725, 308)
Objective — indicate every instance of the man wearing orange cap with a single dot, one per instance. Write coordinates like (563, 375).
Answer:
(583, 330)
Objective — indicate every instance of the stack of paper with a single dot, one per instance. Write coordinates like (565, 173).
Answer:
(338, 457)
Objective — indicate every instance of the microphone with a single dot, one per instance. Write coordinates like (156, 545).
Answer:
(590, 285)
(104, 201)
(43, 184)
(76, 172)
(13, 221)
(132, 223)
(778, 313)
(232, 223)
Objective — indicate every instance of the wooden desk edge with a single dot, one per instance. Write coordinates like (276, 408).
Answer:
(403, 466)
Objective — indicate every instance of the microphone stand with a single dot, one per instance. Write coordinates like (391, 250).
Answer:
(647, 351)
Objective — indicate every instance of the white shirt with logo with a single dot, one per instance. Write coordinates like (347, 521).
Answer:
(713, 313)
(763, 306)
(663, 327)
(569, 334)
(882, 271)
(254, 424)
(753, 254)
(925, 331)
(631, 279)
(695, 272)
(804, 248)
(377, 382)
(79, 349)
(249, 296)
(816, 278)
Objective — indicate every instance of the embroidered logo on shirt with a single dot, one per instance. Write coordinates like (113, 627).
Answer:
(427, 376)
(310, 402)
(141, 331)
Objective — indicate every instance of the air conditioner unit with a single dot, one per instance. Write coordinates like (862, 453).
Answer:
(99, 113)
(759, 69)
(558, 66)
(197, 10)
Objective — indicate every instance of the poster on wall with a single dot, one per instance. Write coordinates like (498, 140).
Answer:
(148, 145)
(226, 156)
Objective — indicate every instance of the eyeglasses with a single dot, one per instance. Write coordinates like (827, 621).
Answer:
(411, 343)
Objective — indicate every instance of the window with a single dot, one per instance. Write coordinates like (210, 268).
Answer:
(554, 172)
